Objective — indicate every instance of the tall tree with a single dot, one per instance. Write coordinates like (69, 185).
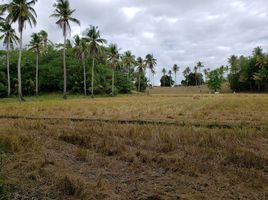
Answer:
(150, 63)
(95, 48)
(153, 74)
(35, 46)
(175, 70)
(164, 71)
(170, 75)
(21, 11)
(199, 65)
(140, 70)
(128, 61)
(64, 14)
(44, 37)
(9, 37)
(81, 50)
(113, 59)
(186, 73)
(196, 75)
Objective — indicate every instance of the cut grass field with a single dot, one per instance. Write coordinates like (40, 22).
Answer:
(162, 146)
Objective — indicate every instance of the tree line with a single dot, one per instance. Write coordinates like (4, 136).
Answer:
(105, 60)
(243, 74)
(90, 65)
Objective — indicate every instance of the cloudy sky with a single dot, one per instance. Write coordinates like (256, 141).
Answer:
(175, 31)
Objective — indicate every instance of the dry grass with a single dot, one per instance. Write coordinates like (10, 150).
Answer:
(113, 161)
(63, 159)
(188, 108)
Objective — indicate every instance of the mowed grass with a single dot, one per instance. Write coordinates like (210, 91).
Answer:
(60, 158)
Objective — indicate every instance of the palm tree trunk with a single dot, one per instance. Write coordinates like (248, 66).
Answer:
(19, 70)
(36, 75)
(139, 82)
(149, 78)
(64, 69)
(8, 73)
(92, 79)
(128, 73)
(85, 78)
(113, 84)
(175, 78)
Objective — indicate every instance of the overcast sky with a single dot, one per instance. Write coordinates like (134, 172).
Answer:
(175, 31)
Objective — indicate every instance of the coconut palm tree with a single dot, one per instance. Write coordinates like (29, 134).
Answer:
(95, 49)
(44, 36)
(128, 61)
(20, 11)
(140, 70)
(9, 37)
(170, 75)
(153, 73)
(175, 70)
(164, 71)
(196, 75)
(186, 73)
(64, 14)
(199, 65)
(150, 63)
(113, 59)
(36, 45)
(80, 47)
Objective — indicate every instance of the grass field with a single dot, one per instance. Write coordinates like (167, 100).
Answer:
(169, 145)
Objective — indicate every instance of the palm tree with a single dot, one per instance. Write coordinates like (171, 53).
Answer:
(164, 71)
(128, 61)
(175, 70)
(140, 70)
(113, 59)
(150, 63)
(35, 46)
(64, 13)
(9, 37)
(199, 65)
(196, 75)
(95, 48)
(80, 48)
(153, 73)
(44, 37)
(186, 73)
(170, 77)
(21, 11)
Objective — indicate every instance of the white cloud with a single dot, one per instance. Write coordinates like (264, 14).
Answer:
(131, 12)
(181, 32)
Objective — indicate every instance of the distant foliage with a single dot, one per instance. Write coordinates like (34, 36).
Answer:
(3, 87)
(51, 74)
(166, 81)
(143, 82)
(215, 79)
(193, 79)
(249, 73)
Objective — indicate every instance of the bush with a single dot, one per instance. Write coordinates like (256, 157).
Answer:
(3, 90)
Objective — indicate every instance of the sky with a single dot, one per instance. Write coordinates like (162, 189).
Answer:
(180, 32)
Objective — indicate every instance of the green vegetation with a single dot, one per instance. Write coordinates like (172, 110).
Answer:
(215, 79)
(249, 73)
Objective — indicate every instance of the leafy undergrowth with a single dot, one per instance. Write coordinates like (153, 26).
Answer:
(81, 160)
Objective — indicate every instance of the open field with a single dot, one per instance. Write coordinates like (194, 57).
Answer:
(170, 146)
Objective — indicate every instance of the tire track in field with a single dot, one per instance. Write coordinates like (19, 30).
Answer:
(201, 124)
